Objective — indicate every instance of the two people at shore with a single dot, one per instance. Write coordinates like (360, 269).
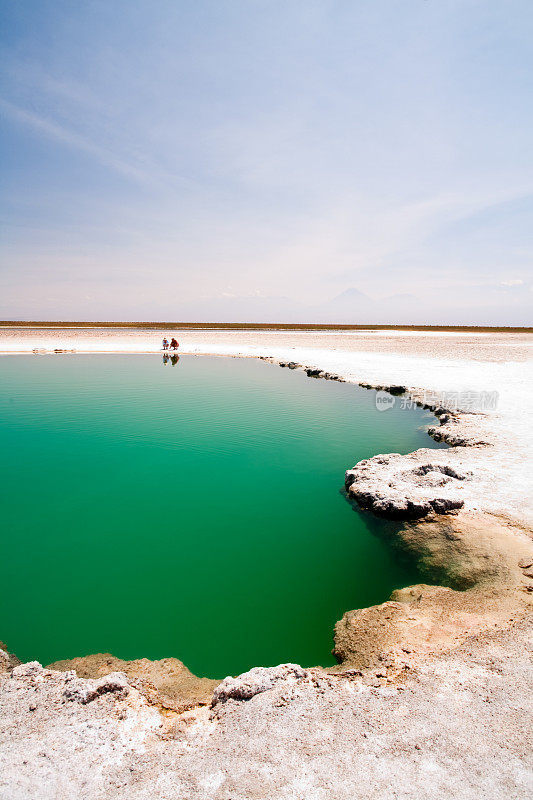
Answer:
(173, 344)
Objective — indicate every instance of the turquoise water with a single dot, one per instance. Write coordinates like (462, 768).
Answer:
(193, 510)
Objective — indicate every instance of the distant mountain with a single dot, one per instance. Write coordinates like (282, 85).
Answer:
(349, 294)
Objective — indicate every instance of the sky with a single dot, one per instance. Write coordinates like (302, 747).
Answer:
(364, 161)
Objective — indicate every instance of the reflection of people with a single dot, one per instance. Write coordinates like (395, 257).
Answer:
(165, 344)
(174, 360)
(165, 359)
(173, 344)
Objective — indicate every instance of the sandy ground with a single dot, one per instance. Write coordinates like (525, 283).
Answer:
(433, 695)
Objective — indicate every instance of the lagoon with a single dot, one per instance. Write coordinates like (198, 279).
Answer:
(193, 510)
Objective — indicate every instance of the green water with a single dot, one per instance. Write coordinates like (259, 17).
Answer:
(192, 510)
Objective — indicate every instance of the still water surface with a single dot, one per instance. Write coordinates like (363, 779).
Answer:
(191, 510)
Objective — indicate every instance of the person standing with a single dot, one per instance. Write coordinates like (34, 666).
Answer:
(165, 344)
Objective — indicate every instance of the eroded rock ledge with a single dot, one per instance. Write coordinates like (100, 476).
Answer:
(166, 683)
(407, 487)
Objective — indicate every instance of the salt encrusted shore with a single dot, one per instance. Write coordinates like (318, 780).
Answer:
(433, 690)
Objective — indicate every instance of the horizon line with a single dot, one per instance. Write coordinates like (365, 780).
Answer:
(262, 325)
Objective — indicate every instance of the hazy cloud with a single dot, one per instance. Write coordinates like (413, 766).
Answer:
(266, 159)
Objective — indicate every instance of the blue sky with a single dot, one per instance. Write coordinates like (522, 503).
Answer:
(258, 159)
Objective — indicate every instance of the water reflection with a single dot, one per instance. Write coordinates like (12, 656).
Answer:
(172, 358)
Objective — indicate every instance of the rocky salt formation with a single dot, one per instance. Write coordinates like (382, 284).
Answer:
(7, 660)
(166, 683)
(85, 691)
(255, 681)
(407, 487)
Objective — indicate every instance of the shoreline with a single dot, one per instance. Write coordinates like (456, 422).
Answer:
(467, 517)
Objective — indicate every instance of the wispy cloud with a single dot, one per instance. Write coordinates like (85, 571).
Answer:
(60, 133)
